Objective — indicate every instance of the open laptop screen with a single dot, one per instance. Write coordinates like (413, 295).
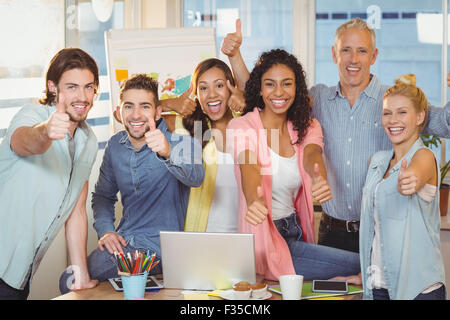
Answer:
(206, 261)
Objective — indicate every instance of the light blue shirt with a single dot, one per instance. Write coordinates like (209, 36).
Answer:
(352, 135)
(38, 193)
(409, 232)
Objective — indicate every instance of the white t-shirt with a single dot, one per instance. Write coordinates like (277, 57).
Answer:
(286, 182)
(223, 213)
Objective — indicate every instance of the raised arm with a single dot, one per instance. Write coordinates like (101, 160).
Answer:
(438, 123)
(251, 186)
(314, 166)
(184, 161)
(26, 141)
(237, 100)
(230, 47)
(183, 104)
(420, 171)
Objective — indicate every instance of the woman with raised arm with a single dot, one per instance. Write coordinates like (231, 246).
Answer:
(400, 220)
(213, 206)
(280, 170)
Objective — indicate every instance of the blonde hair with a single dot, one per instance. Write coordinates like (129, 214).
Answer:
(405, 86)
(356, 23)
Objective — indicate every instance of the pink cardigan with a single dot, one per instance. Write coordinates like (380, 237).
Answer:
(271, 251)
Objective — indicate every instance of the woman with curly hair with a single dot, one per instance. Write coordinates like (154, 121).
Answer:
(278, 150)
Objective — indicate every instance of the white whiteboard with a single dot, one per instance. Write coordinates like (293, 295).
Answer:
(170, 55)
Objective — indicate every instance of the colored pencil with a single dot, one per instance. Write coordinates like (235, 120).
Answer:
(156, 263)
(136, 263)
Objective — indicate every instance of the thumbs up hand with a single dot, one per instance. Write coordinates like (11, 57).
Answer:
(57, 125)
(257, 211)
(156, 140)
(236, 101)
(186, 104)
(321, 191)
(407, 180)
(232, 42)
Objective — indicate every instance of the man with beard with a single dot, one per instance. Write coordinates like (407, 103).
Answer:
(45, 163)
(152, 169)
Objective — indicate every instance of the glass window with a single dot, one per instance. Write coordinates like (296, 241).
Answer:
(405, 39)
(31, 45)
(91, 31)
(88, 33)
(32, 32)
(266, 24)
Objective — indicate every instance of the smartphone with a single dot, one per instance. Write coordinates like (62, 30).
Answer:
(330, 286)
(152, 283)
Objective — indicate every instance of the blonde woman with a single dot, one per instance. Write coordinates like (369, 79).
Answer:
(400, 220)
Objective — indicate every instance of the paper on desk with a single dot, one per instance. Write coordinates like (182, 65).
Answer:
(195, 295)
(215, 293)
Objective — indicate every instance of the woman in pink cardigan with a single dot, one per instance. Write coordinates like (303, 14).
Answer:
(278, 150)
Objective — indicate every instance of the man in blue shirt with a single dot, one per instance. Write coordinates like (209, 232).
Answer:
(350, 116)
(152, 169)
(45, 163)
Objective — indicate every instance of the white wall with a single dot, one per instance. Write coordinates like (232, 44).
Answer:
(45, 284)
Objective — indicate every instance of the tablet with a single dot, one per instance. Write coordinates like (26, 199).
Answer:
(152, 283)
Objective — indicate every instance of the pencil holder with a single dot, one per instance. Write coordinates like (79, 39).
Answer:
(134, 286)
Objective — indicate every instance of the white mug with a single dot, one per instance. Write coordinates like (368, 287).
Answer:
(291, 286)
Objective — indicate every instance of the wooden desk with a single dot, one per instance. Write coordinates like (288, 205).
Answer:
(104, 291)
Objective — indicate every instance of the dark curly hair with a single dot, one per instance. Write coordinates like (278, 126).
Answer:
(300, 111)
(198, 115)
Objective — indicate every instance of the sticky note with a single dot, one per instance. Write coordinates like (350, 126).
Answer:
(215, 293)
(153, 75)
(121, 75)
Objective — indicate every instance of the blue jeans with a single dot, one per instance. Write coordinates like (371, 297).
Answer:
(102, 266)
(313, 261)
(438, 294)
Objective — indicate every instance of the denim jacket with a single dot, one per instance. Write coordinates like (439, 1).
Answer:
(154, 192)
(409, 232)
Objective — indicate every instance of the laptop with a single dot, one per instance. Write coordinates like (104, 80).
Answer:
(206, 261)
